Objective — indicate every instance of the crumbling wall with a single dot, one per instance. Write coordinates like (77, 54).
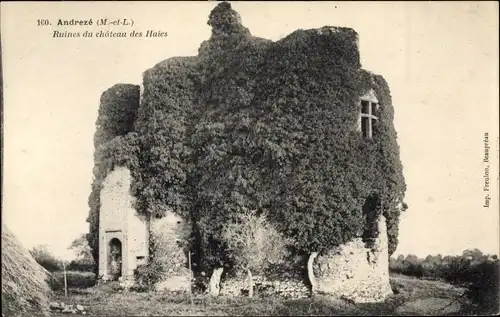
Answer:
(169, 235)
(283, 287)
(355, 271)
(287, 285)
(285, 279)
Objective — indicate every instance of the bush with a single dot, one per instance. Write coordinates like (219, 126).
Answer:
(143, 280)
(146, 276)
(478, 273)
(484, 289)
(46, 259)
(82, 266)
(253, 244)
(75, 279)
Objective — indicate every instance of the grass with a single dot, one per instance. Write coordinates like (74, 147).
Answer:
(25, 291)
(414, 297)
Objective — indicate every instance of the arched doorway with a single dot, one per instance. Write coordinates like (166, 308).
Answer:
(115, 258)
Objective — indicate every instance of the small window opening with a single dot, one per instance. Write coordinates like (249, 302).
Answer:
(141, 260)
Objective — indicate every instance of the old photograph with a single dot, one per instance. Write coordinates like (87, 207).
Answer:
(230, 158)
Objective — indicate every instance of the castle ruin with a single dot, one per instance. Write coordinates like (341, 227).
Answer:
(128, 212)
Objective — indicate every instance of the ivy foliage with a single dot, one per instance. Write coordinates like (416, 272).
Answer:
(117, 113)
(277, 132)
(115, 145)
(255, 124)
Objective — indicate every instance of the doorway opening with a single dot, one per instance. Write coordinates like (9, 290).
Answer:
(115, 258)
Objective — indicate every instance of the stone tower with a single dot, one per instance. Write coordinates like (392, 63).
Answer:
(318, 129)
(123, 234)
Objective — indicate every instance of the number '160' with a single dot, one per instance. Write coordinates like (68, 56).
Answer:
(43, 22)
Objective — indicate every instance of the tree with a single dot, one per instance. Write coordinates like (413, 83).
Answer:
(82, 249)
(84, 260)
(253, 244)
(45, 258)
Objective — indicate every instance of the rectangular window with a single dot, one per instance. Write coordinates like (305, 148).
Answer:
(368, 117)
(141, 260)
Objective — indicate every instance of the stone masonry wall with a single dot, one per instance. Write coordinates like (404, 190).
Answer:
(356, 272)
(137, 240)
(352, 271)
(263, 286)
(118, 219)
(286, 280)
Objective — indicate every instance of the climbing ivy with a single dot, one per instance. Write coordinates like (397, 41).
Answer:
(278, 132)
(163, 125)
(255, 124)
(115, 145)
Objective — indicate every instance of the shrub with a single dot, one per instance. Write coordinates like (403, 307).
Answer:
(484, 289)
(75, 279)
(46, 259)
(253, 244)
(479, 273)
(142, 279)
(82, 266)
(146, 276)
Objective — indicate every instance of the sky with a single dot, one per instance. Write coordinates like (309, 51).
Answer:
(440, 60)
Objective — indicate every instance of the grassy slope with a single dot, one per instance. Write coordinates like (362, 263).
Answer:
(25, 291)
(414, 296)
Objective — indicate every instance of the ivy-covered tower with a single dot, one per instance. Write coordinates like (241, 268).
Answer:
(293, 128)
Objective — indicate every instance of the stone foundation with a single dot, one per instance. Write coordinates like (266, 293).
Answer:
(178, 282)
(286, 288)
(354, 271)
(286, 280)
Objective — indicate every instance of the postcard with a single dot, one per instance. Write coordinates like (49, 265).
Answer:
(250, 158)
